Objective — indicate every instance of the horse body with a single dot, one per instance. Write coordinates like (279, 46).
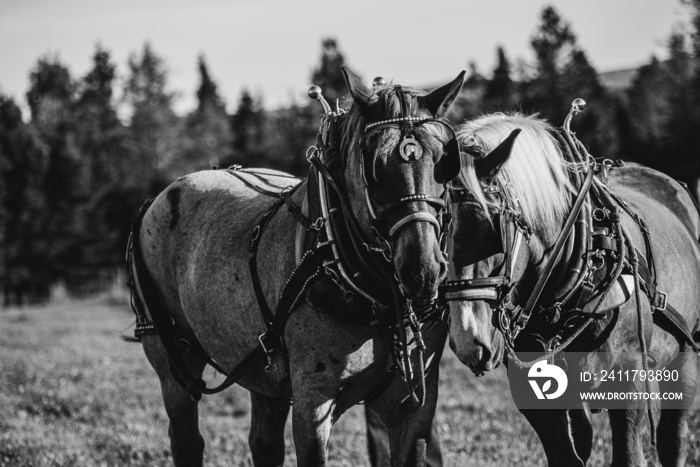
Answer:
(216, 309)
(207, 285)
(195, 243)
(477, 252)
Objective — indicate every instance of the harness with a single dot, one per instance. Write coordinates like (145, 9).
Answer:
(340, 268)
(361, 267)
(601, 252)
(410, 150)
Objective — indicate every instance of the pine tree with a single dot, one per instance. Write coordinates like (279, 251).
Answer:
(52, 99)
(247, 126)
(647, 110)
(24, 248)
(499, 95)
(553, 44)
(51, 87)
(680, 129)
(154, 127)
(328, 74)
(209, 134)
(102, 138)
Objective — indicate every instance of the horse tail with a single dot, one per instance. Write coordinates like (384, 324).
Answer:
(136, 300)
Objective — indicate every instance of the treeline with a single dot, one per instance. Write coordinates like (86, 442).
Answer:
(654, 120)
(75, 173)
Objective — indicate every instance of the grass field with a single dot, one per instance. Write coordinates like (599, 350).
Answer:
(73, 394)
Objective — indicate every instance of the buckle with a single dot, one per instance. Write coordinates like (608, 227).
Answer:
(664, 298)
(268, 353)
(317, 224)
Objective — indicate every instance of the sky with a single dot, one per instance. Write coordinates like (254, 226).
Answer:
(270, 46)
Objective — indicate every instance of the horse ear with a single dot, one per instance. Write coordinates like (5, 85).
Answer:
(440, 100)
(487, 167)
(359, 92)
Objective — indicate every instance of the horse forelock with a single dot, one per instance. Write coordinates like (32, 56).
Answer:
(385, 104)
(535, 174)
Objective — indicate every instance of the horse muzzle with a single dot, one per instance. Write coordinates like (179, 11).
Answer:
(419, 262)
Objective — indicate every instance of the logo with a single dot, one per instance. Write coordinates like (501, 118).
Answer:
(548, 372)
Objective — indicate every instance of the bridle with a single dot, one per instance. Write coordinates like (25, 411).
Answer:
(498, 288)
(512, 317)
(411, 151)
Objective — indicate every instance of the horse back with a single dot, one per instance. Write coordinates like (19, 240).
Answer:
(673, 220)
(655, 193)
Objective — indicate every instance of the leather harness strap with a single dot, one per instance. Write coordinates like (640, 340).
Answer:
(581, 288)
(664, 314)
(173, 341)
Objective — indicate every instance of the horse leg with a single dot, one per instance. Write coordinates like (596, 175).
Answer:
(410, 454)
(582, 431)
(672, 442)
(267, 420)
(377, 439)
(312, 419)
(555, 430)
(626, 426)
(186, 442)
(410, 427)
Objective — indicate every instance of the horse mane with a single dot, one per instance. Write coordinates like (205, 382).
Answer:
(536, 173)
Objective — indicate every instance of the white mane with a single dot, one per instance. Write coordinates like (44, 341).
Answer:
(535, 174)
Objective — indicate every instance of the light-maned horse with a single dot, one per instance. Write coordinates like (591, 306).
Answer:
(534, 180)
(195, 238)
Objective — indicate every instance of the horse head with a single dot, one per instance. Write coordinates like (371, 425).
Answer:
(514, 190)
(400, 157)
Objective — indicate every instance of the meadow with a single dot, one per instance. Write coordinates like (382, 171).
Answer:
(72, 393)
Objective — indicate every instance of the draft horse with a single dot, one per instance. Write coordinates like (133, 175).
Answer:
(554, 251)
(329, 302)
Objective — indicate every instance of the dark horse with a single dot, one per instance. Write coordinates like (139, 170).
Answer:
(214, 251)
(517, 285)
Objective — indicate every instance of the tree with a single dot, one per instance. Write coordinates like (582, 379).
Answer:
(100, 133)
(247, 126)
(682, 143)
(553, 44)
(24, 275)
(50, 87)
(500, 88)
(209, 134)
(328, 74)
(292, 131)
(52, 99)
(154, 126)
(102, 139)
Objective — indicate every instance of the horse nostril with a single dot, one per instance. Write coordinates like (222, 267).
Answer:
(483, 352)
